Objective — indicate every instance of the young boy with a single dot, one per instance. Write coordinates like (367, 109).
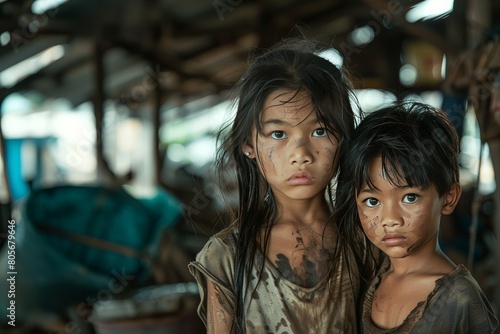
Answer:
(404, 163)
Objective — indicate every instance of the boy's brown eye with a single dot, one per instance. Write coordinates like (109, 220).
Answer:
(410, 198)
(371, 202)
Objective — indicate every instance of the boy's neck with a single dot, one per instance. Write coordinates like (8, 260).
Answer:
(427, 262)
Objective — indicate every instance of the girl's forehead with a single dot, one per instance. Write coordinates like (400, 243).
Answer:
(287, 104)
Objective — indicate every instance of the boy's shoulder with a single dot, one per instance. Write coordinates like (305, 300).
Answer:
(458, 279)
(460, 288)
(458, 300)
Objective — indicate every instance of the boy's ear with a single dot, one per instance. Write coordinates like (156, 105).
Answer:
(451, 199)
(248, 151)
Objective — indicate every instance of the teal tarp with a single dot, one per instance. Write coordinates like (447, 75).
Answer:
(55, 272)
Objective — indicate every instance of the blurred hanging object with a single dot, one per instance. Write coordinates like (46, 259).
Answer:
(482, 95)
(495, 98)
(477, 74)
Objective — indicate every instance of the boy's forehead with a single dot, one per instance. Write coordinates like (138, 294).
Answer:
(376, 167)
(385, 171)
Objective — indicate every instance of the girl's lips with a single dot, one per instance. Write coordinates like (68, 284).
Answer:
(300, 181)
(394, 240)
(300, 178)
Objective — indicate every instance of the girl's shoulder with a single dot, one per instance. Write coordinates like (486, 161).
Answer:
(222, 242)
(216, 259)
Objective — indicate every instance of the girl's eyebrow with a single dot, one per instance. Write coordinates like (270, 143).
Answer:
(278, 121)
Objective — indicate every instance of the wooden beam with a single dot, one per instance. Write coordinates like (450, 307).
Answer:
(98, 101)
(383, 8)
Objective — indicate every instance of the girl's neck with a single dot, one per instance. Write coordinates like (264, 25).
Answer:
(303, 214)
(302, 211)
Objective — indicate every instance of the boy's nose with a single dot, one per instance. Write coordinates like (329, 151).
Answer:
(390, 215)
(391, 222)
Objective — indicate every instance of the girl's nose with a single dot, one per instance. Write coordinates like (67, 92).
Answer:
(301, 154)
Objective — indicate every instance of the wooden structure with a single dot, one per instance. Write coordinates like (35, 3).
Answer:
(150, 56)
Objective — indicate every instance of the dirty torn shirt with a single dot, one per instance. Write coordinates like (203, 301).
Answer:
(278, 306)
(456, 305)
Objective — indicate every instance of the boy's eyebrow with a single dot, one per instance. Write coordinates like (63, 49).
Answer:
(368, 190)
(374, 190)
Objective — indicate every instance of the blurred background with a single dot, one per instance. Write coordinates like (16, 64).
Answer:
(108, 116)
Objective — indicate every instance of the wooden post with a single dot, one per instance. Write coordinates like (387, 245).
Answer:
(156, 129)
(104, 173)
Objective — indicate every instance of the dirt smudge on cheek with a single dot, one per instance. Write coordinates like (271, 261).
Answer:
(370, 225)
(412, 218)
(373, 223)
(270, 151)
(270, 156)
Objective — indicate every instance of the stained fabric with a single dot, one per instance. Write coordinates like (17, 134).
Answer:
(456, 305)
(277, 305)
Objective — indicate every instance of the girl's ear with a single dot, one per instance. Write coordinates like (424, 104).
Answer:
(451, 199)
(248, 151)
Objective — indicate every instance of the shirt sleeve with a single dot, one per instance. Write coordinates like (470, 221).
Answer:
(474, 313)
(215, 262)
(462, 308)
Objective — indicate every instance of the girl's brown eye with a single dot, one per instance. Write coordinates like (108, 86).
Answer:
(320, 132)
(278, 135)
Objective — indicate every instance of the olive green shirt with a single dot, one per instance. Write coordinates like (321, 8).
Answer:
(278, 305)
(456, 305)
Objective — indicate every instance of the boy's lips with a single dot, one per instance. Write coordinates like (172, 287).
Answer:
(393, 239)
(299, 178)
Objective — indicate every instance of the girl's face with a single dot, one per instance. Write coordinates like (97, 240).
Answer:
(295, 153)
(399, 220)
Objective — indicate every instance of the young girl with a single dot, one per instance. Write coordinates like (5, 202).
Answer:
(403, 175)
(284, 265)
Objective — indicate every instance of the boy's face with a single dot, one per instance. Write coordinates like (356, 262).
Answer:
(402, 221)
(295, 152)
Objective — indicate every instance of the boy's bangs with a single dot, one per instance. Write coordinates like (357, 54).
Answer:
(399, 171)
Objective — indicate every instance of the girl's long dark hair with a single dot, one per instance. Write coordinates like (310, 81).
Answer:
(293, 65)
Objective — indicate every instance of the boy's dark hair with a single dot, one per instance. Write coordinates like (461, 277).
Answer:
(418, 145)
